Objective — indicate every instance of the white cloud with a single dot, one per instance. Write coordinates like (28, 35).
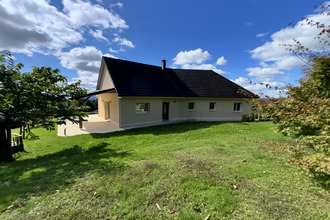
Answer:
(86, 60)
(274, 57)
(273, 51)
(82, 58)
(221, 61)
(276, 89)
(83, 13)
(288, 63)
(123, 42)
(118, 4)
(37, 26)
(195, 59)
(193, 56)
(29, 26)
(88, 79)
(262, 34)
(98, 34)
(111, 50)
(264, 73)
(202, 67)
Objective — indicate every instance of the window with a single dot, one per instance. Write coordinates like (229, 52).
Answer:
(237, 107)
(142, 107)
(191, 106)
(212, 106)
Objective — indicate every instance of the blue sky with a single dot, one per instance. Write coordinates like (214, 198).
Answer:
(238, 39)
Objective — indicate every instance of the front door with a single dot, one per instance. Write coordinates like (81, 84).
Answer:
(166, 107)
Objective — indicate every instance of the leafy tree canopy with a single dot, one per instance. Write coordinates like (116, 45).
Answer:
(305, 113)
(36, 95)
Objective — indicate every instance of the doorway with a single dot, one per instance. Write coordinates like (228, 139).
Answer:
(166, 107)
(107, 110)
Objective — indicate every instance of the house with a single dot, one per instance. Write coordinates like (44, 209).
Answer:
(134, 94)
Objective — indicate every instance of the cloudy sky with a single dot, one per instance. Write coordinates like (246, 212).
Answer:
(239, 39)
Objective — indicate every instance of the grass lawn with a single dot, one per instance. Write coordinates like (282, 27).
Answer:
(180, 171)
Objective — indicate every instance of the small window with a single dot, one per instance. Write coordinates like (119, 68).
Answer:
(191, 106)
(212, 106)
(142, 107)
(237, 107)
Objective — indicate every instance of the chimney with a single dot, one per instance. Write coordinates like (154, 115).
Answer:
(163, 64)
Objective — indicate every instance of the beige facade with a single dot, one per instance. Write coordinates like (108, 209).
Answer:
(108, 107)
(122, 110)
(105, 80)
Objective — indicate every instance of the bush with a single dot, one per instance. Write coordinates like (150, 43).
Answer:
(247, 118)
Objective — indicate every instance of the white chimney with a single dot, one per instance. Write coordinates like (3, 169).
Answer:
(163, 64)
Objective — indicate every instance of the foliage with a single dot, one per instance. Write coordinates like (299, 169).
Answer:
(91, 104)
(125, 174)
(305, 113)
(247, 118)
(36, 96)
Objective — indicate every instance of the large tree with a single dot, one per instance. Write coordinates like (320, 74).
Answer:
(34, 96)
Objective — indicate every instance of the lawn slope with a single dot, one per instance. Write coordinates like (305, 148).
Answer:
(183, 171)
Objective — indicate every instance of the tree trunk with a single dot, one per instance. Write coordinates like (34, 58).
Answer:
(5, 141)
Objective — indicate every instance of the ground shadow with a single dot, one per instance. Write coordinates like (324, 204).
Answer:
(51, 172)
(31, 136)
(175, 128)
(322, 179)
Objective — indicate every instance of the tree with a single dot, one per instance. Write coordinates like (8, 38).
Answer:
(34, 96)
(305, 113)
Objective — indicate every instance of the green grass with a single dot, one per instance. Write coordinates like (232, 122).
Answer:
(187, 168)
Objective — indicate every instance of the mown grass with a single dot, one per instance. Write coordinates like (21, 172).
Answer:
(188, 170)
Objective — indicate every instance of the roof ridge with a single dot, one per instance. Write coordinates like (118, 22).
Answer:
(132, 62)
(158, 66)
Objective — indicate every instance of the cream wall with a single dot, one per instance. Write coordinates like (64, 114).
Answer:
(114, 106)
(224, 110)
(106, 82)
(178, 110)
(123, 109)
(129, 117)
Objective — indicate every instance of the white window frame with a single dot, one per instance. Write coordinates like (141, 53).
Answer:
(141, 110)
(212, 109)
(193, 105)
(236, 109)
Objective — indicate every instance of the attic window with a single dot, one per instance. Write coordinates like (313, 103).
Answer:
(142, 107)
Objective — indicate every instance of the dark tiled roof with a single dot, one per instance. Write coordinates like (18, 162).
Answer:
(137, 79)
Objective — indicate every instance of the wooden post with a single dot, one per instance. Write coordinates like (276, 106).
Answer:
(80, 119)
(80, 122)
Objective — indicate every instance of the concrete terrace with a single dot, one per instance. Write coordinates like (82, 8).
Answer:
(94, 124)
